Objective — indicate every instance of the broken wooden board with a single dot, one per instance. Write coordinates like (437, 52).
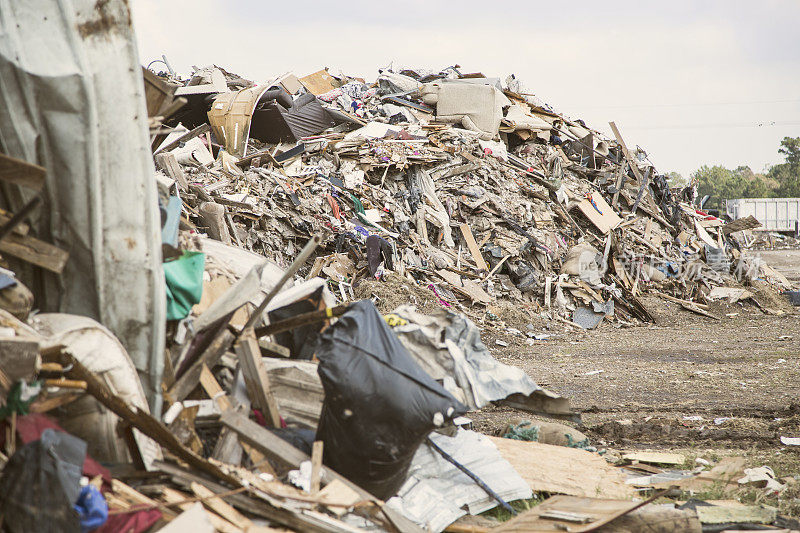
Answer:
(220, 507)
(562, 470)
(168, 163)
(569, 513)
(287, 455)
(19, 360)
(703, 235)
(724, 474)
(603, 217)
(34, 251)
(22, 173)
(467, 287)
(746, 514)
(658, 458)
(139, 419)
(256, 378)
(473, 247)
(319, 82)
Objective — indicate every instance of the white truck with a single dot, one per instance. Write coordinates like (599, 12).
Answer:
(775, 214)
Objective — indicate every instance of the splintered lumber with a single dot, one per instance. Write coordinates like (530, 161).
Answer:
(626, 153)
(34, 251)
(691, 306)
(139, 419)
(19, 172)
(473, 247)
(284, 453)
(219, 506)
(137, 499)
(169, 164)
(265, 508)
(256, 378)
(740, 224)
(599, 213)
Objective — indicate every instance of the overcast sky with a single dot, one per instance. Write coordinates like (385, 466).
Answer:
(691, 82)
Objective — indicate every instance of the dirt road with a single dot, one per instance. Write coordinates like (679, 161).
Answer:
(786, 262)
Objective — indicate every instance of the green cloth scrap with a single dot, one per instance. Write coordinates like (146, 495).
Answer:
(20, 398)
(184, 277)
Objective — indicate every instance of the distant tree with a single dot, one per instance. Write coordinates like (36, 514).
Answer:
(790, 148)
(675, 179)
(725, 184)
(787, 174)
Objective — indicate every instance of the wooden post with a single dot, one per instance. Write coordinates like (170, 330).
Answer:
(256, 378)
(316, 465)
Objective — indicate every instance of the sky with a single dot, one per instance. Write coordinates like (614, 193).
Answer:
(702, 82)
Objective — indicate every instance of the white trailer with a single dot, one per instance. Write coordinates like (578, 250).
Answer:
(775, 214)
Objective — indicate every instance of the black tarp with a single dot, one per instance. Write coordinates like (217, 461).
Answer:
(40, 484)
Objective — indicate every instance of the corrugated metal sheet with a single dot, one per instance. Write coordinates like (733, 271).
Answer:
(72, 100)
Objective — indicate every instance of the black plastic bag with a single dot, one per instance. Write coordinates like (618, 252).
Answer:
(379, 404)
(40, 484)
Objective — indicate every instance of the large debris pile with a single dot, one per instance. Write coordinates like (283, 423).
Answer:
(476, 191)
(280, 402)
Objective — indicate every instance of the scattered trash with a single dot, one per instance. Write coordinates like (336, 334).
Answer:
(219, 345)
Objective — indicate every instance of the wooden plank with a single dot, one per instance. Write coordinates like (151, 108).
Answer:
(316, 466)
(263, 440)
(473, 247)
(618, 183)
(563, 470)
(631, 162)
(22, 173)
(136, 498)
(319, 82)
(605, 219)
(19, 358)
(168, 163)
(256, 378)
(219, 506)
(468, 288)
(34, 251)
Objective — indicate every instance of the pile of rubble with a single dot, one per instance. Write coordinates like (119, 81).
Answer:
(476, 191)
(282, 401)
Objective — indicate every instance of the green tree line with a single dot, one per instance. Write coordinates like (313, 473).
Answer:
(780, 181)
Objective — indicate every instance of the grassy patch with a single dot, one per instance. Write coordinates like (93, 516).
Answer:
(501, 515)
